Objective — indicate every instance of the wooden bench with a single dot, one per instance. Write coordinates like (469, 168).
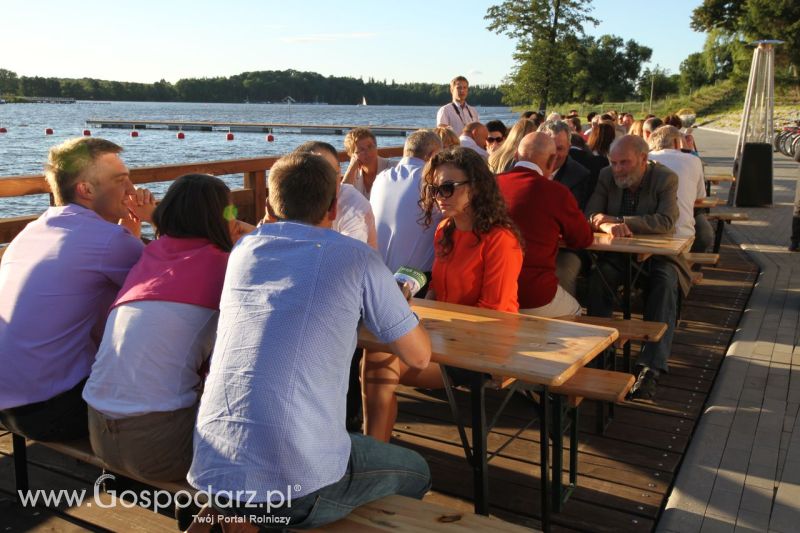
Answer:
(721, 219)
(629, 330)
(720, 178)
(398, 513)
(701, 258)
(604, 386)
(390, 513)
(708, 202)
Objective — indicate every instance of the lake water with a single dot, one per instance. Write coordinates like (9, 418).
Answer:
(23, 149)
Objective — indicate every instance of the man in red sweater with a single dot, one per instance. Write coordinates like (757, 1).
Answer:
(545, 211)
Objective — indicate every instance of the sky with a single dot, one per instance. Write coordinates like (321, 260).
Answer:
(406, 41)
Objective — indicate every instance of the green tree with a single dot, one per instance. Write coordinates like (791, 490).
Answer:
(755, 20)
(693, 73)
(9, 82)
(546, 31)
(605, 68)
(661, 82)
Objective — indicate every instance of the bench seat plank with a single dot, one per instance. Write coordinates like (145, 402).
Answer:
(82, 451)
(728, 217)
(701, 258)
(399, 513)
(636, 330)
(597, 384)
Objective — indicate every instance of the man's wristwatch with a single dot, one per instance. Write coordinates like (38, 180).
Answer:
(620, 220)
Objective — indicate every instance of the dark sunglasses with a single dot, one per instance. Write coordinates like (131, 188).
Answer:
(446, 189)
(494, 139)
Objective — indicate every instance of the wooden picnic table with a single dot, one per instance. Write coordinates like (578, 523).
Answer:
(708, 202)
(537, 351)
(642, 246)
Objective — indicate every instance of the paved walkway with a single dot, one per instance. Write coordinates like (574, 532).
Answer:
(742, 470)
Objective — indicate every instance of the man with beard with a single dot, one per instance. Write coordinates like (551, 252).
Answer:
(637, 196)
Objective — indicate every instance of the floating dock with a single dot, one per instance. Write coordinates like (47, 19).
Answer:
(246, 127)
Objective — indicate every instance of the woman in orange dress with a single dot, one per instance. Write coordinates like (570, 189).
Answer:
(477, 262)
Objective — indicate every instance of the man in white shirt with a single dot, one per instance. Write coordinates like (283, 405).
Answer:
(665, 144)
(474, 137)
(354, 216)
(457, 113)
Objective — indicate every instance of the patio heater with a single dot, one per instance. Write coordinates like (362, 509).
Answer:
(752, 161)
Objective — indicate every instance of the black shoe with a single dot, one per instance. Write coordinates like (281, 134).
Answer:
(795, 239)
(645, 386)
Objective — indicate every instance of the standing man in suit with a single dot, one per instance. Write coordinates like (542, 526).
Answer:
(636, 196)
(544, 211)
(578, 180)
(457, 113)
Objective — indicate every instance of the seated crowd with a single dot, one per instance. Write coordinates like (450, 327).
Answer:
(227, 347)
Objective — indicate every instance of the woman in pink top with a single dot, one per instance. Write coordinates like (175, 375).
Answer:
(144, 387)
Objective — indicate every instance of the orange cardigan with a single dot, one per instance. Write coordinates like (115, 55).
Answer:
(479, 273)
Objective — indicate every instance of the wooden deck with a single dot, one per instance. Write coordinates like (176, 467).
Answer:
(624, 475)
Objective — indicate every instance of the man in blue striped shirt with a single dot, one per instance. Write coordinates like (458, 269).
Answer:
(270, 440)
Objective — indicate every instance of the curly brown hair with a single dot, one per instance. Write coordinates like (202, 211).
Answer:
(487, 204)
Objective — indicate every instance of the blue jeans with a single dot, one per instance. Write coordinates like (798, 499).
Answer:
(375, 470)
(661, 303)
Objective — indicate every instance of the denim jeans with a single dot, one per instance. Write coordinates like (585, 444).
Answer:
(375, 470)
(661, 303)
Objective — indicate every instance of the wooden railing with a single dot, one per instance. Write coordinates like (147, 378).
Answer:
(250, 199)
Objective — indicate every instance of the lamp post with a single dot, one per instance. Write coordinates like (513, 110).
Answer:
(652, 87)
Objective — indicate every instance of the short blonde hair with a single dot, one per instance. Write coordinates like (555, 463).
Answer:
(355, 135)
(448, 136)
(67, 161)
(458, 79)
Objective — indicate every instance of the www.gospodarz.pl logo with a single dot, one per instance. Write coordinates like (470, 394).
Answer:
(157, 499)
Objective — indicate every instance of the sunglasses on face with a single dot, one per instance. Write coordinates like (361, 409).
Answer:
(494, 139)
(446, 189)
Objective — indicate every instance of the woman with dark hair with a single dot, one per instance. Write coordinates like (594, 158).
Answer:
(144, 387)
(600, 139)
(478, 248)
(478, 260)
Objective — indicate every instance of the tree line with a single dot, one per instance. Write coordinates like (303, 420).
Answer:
(259, 86)
(556, 62)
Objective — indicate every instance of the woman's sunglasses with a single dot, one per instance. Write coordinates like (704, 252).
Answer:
(446, 189)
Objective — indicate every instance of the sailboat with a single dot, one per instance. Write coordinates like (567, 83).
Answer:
(363, 100)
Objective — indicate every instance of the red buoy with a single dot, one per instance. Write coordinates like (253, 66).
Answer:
(48, 131)
(229, 136)
(134, 133)
(87, 133)
(270, 138)
(3, 130)
(180, 135)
